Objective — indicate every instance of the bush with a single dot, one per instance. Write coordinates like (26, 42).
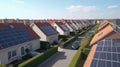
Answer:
(85, 52)
(36, 60)
(2, 65)
(63, 37)
(72, 33)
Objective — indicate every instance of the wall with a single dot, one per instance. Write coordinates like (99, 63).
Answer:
(60, 31)
(52, 38)
(4, 52)
(75, 25)
(71, 30)
(39, 33)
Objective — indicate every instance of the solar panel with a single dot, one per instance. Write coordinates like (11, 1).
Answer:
(101, 63)
(119, 57)
(114, 57)
(99, 49)
(48, 30)
(13, 36)
(64, 27)
(115, 64)
(96, 55)
(108, 64)
(72, 26)
(105, 49)
(107, 54)
(94, 63)
(114, 49)
(103, 55)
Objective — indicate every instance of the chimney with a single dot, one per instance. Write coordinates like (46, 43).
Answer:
(26, 22)
(4, 21)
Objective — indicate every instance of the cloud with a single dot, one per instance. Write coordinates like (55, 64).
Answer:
(19, 1)
(80, 8)
(113, 6)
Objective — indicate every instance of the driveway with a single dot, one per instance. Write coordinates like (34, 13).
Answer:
(61, 59)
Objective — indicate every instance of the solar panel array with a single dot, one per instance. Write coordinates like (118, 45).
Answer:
(48, 29)
(72, 26)
(107, 54)
(13, 36)
(64, 27)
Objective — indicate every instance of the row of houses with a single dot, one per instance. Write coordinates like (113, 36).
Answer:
(105, 51)
(18, 35)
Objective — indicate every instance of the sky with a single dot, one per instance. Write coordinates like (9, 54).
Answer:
(60, 9)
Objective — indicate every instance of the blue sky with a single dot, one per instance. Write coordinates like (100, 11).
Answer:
(59, 9)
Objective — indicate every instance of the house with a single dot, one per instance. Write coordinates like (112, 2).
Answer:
(45, 31)
(60, 27)
(15, 39)
(74, 24)
(77, 24)
(80, 24)
(105, 51)
(84, 23)
(67, 23)
(70, 25)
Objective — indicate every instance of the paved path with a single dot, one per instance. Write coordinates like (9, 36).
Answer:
(61, 59)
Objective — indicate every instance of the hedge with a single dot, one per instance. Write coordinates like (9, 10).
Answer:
(36, 60)
(63, 37)
(79, 55)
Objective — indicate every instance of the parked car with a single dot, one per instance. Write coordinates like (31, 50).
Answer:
(75, 45)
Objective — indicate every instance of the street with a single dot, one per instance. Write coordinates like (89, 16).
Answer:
(63, 57)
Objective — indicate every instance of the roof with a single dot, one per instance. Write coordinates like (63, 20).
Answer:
(46, 28)
(14, 34)
(7, 20)
(90, 56)
(103, 24)
(62, 26)
(71, 25)
(101, 34)
(51, 21)
(105, 53)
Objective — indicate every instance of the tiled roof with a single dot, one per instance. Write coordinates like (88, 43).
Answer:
(103, 24)
(90, 56)
(101, 34)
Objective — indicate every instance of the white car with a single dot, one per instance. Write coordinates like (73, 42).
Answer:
(75, 45)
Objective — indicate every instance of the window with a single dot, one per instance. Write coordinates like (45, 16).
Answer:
(14, 53)
(22, 51)
(9, 55)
